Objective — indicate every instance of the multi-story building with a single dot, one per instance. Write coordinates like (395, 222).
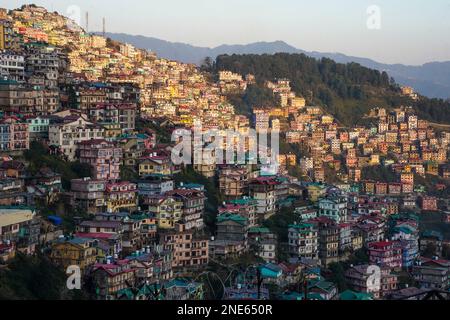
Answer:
(329, 240)
(370, 279)
(188, 250)
(245, 207)
(79, 252)
(334, 208)
(431, 240)
(167, 209)
(7, 38)
(88, 194)
(262, 189)
(103, 157)
(304, 241)
(233, 182)
(12, 192)
(432, 274)
(121, 196)
(14, 135)
(316, 191)
(385, 254)
(43, 66)
(155, 165)
(111, 277)
(193, 207)
(428, 203)
(122, 114)
(231, 236)
(155, 185)
(38, 127)
(12, 66)
(21, 227)
(70, 131)
(89, 98)
(264, 243)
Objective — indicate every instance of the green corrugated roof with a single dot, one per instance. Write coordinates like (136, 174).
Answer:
(232, 217)
(258, 230)
(301, 226)
(352, 295)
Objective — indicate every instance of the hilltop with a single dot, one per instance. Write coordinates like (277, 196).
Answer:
(430, 79)
(348, 91)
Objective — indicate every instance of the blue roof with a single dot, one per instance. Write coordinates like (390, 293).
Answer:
(270, 270)
(55, 220)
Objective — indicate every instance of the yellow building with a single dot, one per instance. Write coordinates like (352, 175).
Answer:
(374, 159)
(168, 211)
(298, 102)
(155, 165)
(357, 241)
(112, 130)
(75, 252)
(121, 196)
(315, 192)
(2, 37)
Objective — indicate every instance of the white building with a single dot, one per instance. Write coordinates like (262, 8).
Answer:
(72, 130)
(303, 241)
(12, 66)
(334, 208)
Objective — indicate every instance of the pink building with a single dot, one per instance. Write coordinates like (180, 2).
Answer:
(103, 156)
(14, 135)
(385, 254)
(121, 197)
(428, 203)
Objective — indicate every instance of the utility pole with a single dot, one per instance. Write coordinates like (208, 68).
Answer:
(305, 284)
(87, 21)
(259, 279)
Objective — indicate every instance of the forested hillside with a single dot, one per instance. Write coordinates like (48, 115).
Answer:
(347, 91)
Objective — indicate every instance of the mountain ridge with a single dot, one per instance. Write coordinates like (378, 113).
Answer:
(431, 79)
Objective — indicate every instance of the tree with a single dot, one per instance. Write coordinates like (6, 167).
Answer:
(430, 250)
(34, 277)
(337, 276)
(348, 91)
(207, 64)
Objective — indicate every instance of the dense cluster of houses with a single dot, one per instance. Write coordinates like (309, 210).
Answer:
(84, 99)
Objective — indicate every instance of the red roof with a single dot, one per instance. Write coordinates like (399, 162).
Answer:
(96, 235)
(380, 244)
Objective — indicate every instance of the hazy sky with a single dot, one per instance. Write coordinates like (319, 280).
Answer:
(411, 31)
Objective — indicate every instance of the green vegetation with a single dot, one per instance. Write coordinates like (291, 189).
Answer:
(34, 278)
(336, 271)
(128, 173)
(163, 135)
(430, 181)
(337, 276)
(379, 173)
(254, 96)
(348, 91)
(39, 157)
(279, 224)
(433, 221)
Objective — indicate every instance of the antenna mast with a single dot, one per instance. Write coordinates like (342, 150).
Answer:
(87, 21)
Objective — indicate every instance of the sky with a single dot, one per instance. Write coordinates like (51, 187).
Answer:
(389, 31)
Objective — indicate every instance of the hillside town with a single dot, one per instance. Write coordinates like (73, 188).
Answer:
(88, 179)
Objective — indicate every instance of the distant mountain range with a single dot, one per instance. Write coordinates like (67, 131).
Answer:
(431, 79)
